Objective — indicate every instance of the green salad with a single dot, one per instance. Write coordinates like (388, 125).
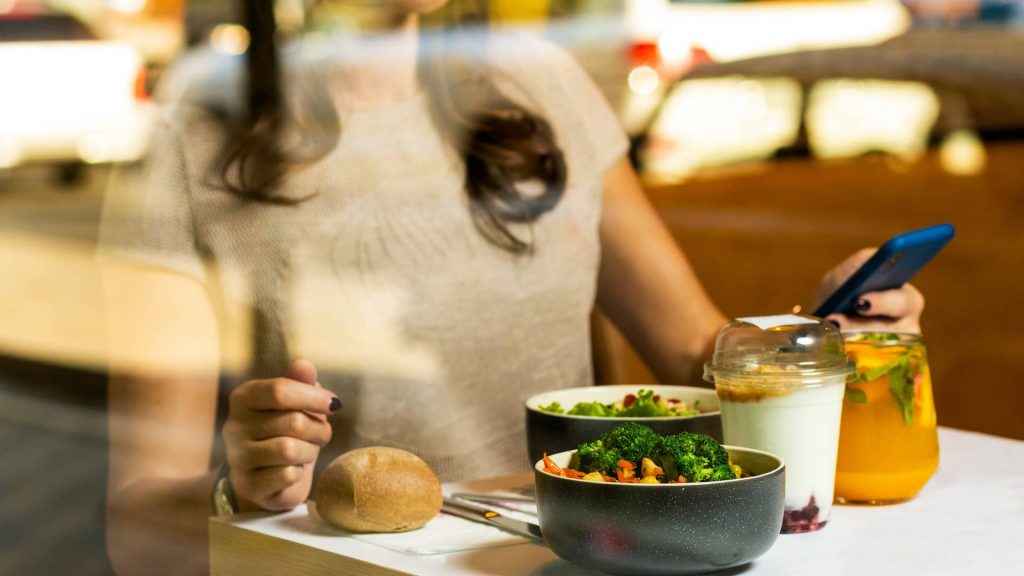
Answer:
(643, 404)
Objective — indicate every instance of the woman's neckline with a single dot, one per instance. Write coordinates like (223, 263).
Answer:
(393, 110)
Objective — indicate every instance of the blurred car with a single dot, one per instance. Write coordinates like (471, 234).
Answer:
(671, 38)
(69, 98)
(952, 89)
(635, 49)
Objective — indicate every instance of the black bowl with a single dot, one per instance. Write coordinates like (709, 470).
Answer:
(662, 529)
(551, 433)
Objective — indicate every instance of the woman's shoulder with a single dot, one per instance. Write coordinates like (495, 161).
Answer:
(542, 69)
(544, 76)
(516, 48)
(203, 81)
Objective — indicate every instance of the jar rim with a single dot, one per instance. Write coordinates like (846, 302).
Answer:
(882, 338)
(745, 371)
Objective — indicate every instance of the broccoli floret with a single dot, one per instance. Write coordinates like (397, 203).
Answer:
(696, 457)
(629, 441)
(723, 472)
(633, 441)
(596, 457)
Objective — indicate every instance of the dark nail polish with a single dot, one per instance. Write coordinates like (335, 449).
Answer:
(335, 404)
(862, 305)
(836, 324)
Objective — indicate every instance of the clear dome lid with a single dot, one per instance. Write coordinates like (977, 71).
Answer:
(768, 348)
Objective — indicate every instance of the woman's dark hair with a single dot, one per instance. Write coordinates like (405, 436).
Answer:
(503, 144)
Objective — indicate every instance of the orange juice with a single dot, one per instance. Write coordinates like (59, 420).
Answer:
(888, 446)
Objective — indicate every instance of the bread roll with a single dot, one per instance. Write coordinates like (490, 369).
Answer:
(378, 490)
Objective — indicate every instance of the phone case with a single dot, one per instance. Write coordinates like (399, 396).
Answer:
(895, 263)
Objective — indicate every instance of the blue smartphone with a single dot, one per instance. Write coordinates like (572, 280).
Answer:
(893, 265)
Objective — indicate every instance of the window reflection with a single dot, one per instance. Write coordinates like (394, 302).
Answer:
(773, 133)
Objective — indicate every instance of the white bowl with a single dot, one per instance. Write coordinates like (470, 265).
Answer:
(553, 433)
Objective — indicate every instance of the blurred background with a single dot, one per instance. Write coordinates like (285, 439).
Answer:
(774, 137)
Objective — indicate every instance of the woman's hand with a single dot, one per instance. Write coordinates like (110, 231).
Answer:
(896, 310)
(274, 433)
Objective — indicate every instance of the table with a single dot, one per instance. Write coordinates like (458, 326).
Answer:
(968, 520)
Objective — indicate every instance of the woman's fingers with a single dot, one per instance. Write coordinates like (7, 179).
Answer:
(273, 474)
(263, 484)
(280, 451)
(283, 394)
(273, 433)
(266, 425)
(852, 323)
(303, 370)
(275, 479)
(835, 277)
(897, 303)
(897, 310)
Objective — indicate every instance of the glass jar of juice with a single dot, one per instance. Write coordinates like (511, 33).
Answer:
(888, 444)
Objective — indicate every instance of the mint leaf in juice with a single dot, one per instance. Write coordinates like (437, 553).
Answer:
(901, 384)
(856, 395)
(900, 372)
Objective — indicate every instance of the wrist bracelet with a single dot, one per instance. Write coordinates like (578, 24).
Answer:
(222, 498)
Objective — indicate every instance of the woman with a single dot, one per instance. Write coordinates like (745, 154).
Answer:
(434, 227)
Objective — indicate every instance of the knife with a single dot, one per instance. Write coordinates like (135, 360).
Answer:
(499, 503)
(492, 518)
(489, 496)
(492, 498)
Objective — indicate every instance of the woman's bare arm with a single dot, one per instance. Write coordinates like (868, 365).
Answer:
(647, 287)
(162, 410)
(163, 404)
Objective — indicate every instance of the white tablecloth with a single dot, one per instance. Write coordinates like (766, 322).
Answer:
(968, 520)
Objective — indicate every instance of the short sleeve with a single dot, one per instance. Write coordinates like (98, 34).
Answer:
(147, 213)
(538, 72)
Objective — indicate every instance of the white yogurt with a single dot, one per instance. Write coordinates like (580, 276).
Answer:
(801, 426)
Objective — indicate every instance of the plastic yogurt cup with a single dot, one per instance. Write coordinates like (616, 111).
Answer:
(780, 383)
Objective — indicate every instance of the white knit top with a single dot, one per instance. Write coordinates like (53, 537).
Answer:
(432, 336)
